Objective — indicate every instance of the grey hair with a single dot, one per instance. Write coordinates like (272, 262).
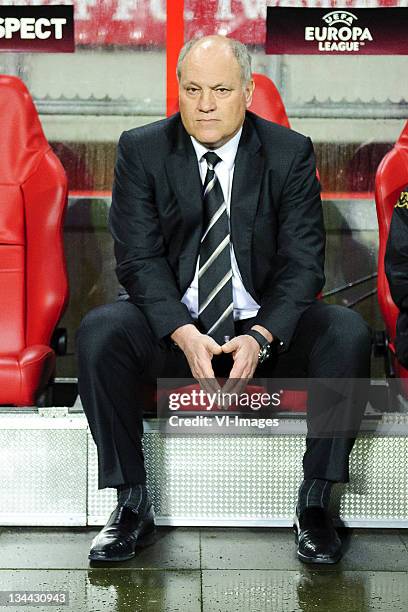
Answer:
(238, 48)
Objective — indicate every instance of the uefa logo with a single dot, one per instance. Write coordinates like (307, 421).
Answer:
(339, 34)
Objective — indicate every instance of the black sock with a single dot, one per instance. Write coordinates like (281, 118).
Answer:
(134, 496)
(314, 492)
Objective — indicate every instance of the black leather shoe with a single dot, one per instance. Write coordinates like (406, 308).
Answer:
(317, 538)
(124, 531)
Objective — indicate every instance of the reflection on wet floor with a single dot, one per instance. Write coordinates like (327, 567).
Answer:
(210, 570)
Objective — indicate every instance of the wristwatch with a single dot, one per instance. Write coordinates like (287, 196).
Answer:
(265, 350)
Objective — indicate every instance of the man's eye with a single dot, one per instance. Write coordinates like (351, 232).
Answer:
(222, 90)
(192, 89)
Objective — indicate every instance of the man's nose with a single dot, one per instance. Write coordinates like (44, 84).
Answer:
(206, 102)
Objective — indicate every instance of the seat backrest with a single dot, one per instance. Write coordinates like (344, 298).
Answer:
(33, 193)
(266, 102)
(391, 178)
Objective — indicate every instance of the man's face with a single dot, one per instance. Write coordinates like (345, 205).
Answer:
(212, 96)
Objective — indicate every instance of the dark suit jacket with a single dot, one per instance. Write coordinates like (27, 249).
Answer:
(276, 221)
(396, 269)
(396, 254)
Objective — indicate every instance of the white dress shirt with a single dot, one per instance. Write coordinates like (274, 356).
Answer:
(244, 305)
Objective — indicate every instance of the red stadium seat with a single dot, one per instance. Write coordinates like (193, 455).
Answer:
(267, 101)
(391, 178)
(33, 279)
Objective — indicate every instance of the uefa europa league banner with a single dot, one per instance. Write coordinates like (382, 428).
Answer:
(359, 31)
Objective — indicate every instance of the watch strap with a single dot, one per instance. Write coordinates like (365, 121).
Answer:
(262, 341)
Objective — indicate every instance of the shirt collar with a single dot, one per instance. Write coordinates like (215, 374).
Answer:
(227, 152)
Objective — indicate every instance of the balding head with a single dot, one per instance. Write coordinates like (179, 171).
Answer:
(219, 44)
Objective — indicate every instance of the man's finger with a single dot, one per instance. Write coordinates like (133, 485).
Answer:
(231, 345)
(207, 379)
(210, 382)
(208, 386)
(233, 383)
(213, 346)
(235, 386)
(235, 375)
(238, 369)
(205, 370)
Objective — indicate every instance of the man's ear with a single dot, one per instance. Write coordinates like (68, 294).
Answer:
(249, 92)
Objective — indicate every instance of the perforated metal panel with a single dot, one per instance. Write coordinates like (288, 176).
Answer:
(253, 480)
(48, 471)
(378, 488)
(200, 479)
(227, 477)
(43, 470)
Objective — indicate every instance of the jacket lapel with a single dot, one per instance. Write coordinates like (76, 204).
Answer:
(184, 178)
(248, 173)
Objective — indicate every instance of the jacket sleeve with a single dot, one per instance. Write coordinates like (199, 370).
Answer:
(299, 270)
(142, 267)
(396, 254)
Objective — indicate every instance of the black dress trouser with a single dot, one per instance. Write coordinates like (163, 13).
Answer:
(118, 354)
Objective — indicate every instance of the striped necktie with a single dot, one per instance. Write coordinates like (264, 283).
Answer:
(215, 312)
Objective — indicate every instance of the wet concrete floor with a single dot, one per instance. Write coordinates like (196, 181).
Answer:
(207, 570)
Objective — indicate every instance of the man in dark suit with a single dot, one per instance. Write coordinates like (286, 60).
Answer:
(219, 239)
(396, 269)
